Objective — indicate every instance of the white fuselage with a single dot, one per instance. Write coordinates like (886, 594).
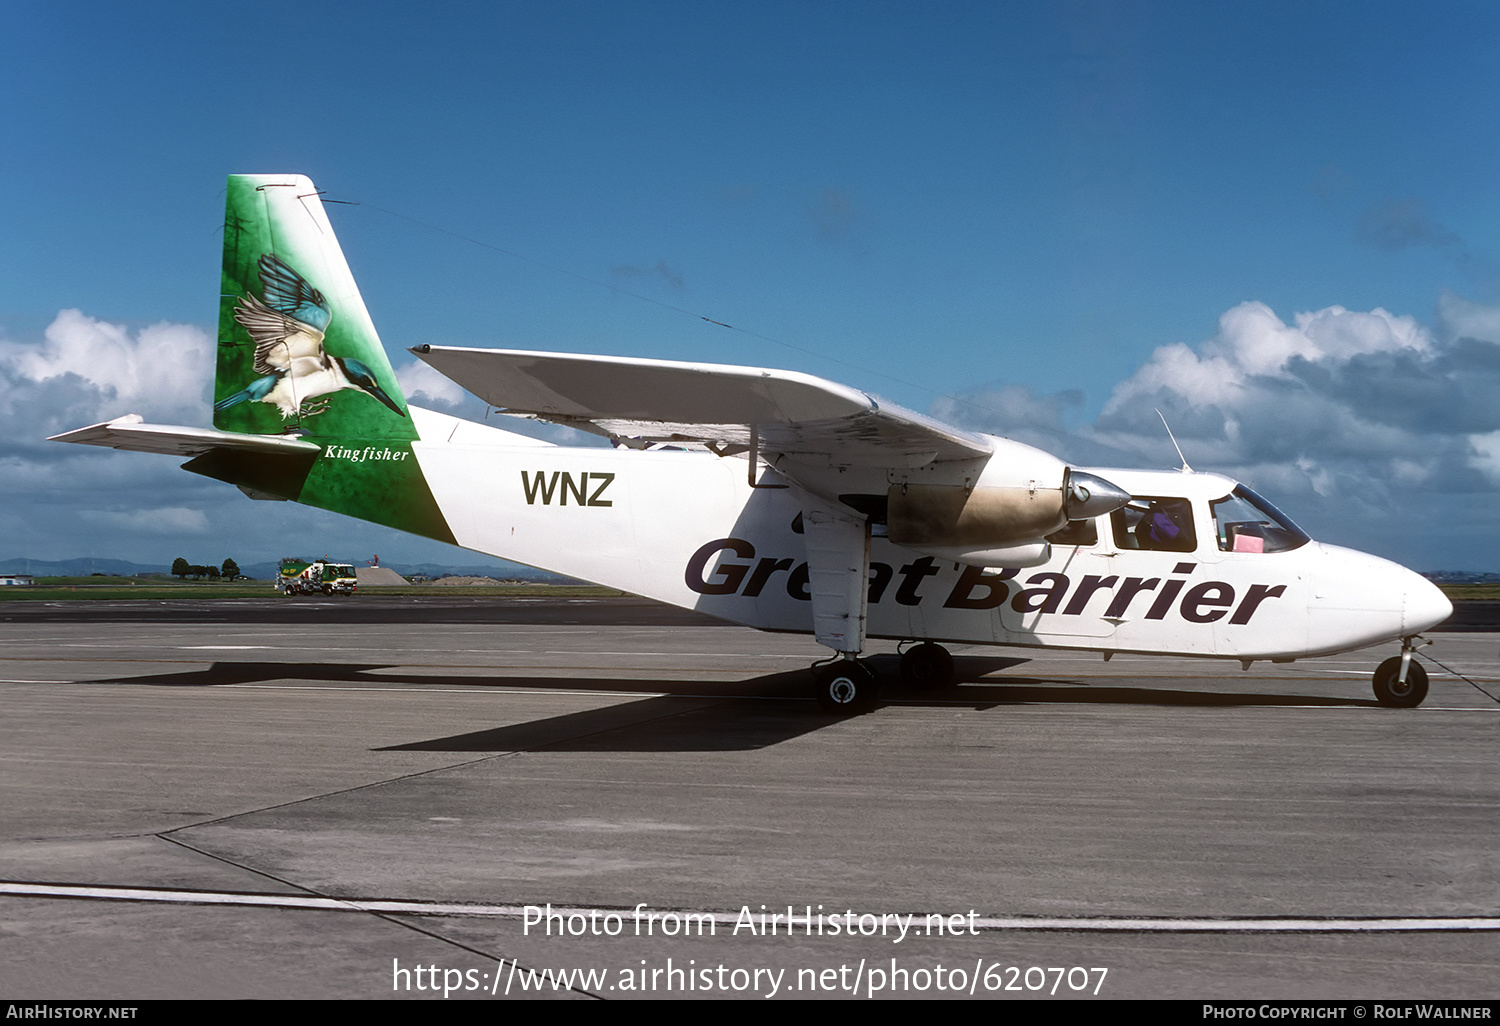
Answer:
(688, 529)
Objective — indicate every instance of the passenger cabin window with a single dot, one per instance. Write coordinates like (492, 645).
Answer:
(1245, 522)
(1077, 532)
(1155, 524)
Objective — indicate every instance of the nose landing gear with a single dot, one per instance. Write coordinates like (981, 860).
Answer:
(1401, 682)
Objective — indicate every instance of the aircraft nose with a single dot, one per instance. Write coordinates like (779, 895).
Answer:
(1426, 606)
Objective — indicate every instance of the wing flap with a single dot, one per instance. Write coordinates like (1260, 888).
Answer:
(661, 400)
(130, 432)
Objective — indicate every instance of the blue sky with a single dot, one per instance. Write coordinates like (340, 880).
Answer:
(1044, 219)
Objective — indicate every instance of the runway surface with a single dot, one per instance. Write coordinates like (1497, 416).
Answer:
(193, 783)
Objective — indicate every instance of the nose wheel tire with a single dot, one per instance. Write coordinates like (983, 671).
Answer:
(1392, 692)
(846, 687)
(927, 666)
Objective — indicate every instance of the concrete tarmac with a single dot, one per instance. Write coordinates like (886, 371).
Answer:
(360, 798)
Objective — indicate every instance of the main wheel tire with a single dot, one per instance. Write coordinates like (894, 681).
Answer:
(927, 666)
(1392, 692)
(846, 687)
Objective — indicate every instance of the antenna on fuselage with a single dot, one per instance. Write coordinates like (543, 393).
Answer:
(1184, 469)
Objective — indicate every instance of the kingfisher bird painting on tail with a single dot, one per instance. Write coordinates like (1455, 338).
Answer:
(288, 328)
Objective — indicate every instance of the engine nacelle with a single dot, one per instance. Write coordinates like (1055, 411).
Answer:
(949, 516)
(1003, 518)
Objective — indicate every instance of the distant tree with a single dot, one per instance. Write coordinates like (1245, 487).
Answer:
(195, 571)
(230, 569)
(180, 567)
(212, 572)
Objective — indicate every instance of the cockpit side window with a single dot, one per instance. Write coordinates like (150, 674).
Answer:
(1245, 522)
(1155, 524)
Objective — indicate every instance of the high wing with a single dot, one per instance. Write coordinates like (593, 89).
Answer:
(129, 432)
(636, 400)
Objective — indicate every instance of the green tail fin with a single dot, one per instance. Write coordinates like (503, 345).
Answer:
(297, 353)
(297, 350)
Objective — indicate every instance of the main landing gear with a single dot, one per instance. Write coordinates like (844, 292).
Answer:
(927, 666)
(1401, 682)
(847, 686)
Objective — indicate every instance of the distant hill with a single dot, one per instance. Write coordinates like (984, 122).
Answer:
(1461, 577)
(79, 567)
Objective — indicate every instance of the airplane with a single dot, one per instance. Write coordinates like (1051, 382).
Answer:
(769, 498)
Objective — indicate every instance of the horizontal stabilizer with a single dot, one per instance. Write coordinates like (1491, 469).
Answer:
(662, 400)
(129, 432)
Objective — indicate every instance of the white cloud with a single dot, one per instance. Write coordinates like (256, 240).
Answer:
(159, 371)
(423, 384)
(1460, 318)
(1362, 422)
(83, 371)
(1253, 342)
(1370, 394)
(1487, 454)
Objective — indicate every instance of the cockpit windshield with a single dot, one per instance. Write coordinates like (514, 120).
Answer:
(1245, 522)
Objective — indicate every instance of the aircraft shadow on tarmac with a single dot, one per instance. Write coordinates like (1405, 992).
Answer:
(689, 715)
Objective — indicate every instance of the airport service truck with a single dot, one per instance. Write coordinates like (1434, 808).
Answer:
(315, 577)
